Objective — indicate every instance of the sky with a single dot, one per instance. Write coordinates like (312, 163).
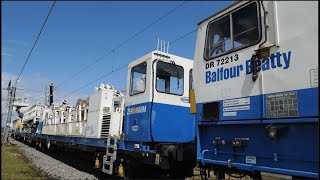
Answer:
(78, 33)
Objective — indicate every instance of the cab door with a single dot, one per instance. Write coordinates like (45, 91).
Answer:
(225, 89)
(171, 118)
(137, 105)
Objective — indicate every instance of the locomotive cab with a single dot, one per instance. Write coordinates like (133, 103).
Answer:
(256, 89)
(157, 122)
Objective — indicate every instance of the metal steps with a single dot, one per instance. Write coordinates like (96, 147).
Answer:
(111, 155)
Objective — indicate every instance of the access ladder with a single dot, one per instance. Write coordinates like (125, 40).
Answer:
(111, 155)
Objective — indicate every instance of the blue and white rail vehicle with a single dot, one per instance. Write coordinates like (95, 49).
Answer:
(86, 126)
(146, 133)
(256, 89)
(159, 133)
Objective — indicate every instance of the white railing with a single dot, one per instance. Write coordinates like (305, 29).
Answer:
(75, 129)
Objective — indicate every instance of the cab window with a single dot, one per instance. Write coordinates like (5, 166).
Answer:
(138, 79)
(236, 30)
(169, 78)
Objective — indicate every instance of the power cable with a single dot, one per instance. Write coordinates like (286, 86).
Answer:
(172, 42)
(43, 25)
(187, 34)
(120, 45)
(95, 80)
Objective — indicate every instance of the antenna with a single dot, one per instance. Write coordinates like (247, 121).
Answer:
(45, 97)
(51, 85)
(158, 45)
(164, 50)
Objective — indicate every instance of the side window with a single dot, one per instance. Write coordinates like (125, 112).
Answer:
(245, 26)
(236, 30)
(219, 39)
(169, 78)
(138, 79)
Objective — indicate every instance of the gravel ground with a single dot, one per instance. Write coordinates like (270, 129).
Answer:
(53, 168)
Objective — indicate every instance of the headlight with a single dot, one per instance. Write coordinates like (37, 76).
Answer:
(272, 132)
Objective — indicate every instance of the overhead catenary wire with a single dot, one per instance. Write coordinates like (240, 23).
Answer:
(113, 71)
(35, 42)
(187, 34)
(94, 81)
(120, 45)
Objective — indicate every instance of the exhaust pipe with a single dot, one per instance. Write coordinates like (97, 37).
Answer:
(51, 86)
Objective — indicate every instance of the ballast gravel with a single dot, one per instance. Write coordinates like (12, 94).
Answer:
(53, 168)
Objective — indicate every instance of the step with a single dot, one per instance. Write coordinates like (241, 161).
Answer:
(111, 146)
(108, 171)
(110, 154)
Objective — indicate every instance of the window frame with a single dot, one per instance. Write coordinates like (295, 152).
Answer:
(155, 85)
(231, 30)
(131, 80)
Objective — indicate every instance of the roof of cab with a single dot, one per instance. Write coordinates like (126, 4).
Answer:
(150, 55)
(228, 7)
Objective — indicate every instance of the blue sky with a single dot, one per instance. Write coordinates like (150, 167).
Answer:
(78, 33)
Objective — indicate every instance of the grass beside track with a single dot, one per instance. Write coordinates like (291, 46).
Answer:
(15, 166)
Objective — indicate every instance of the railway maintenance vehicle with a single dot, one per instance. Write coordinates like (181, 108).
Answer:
(159, 133)
(145, 133)
(256, 90)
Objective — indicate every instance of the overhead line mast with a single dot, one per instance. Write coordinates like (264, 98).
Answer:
(12, 89)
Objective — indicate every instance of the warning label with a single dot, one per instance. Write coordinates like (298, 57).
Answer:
(229, 113)
(283, 104)
(314, 77)
(237, 108)
(236, 102)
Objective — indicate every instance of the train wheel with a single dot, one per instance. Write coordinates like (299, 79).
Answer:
(149, 172)
(129, 170)
(220, 173)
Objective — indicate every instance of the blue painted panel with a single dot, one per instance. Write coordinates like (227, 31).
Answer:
(253, 113)
(170, 123)
(40, 127)
(76, 140)
(264, 169)
(308, 102)
(129, 145)
(307, 106)
(296, 150)
(137, 122)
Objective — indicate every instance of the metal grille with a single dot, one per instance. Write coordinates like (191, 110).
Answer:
(105, 125)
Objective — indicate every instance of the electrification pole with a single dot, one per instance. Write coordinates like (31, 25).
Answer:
(12, 93)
